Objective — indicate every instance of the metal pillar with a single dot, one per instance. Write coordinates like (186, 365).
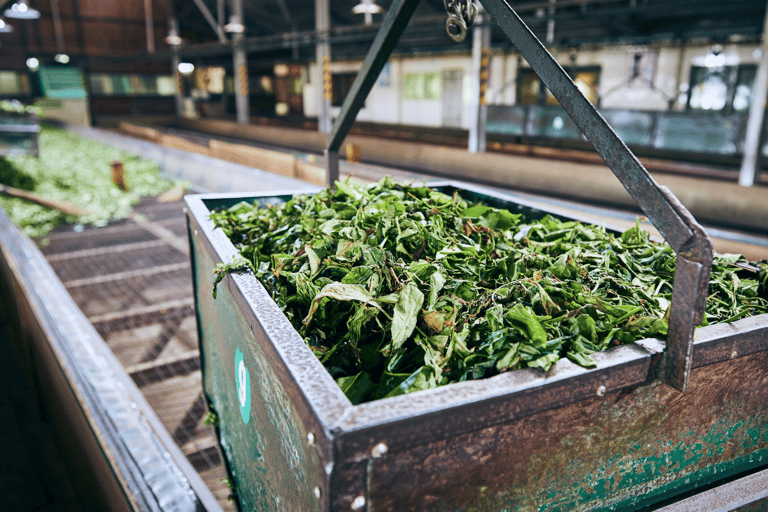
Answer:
(748, 171)
(481, 42)
(323, 59)
(392, 27)
(149, 25)
(240, 64)
(179, 100)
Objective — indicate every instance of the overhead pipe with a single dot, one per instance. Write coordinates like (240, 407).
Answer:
(212, 22)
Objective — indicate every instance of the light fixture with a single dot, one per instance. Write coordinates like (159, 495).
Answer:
(22, 11)
(33, 63)
(173, 38)
(235, 26)
(368, 8)
(5, 28)
(62, 58)
(714, 60)
(186, 68)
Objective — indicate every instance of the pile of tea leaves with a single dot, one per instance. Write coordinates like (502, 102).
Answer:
(398, 288)
(77, 170)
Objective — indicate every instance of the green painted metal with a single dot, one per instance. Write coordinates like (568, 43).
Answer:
(614, 438)
(267, 456)
(62, 82)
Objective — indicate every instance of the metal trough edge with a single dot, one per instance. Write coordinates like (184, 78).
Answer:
(422, 416)
(131, 462)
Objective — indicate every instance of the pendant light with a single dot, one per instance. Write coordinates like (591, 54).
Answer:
(22, 11)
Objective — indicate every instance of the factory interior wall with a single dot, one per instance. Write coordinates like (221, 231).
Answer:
(670, 78)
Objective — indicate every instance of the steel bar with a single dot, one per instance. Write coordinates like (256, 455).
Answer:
(212, 21)
(392, 27)
(749, 490)
(682, 232)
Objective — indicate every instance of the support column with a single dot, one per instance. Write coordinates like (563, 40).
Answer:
(323, 59)
(240, 65)
(748, 172)
(179, 100)
(149, 25)
(481, 42)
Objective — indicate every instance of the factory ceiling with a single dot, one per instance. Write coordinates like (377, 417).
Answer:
(285, 29)
(575, 22)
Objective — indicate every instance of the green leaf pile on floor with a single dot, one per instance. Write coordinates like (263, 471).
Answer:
(75, 169)
(398, 288)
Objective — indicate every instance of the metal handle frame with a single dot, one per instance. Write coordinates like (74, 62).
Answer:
(687, 238)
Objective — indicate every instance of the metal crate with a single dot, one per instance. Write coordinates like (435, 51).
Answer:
(611, 438)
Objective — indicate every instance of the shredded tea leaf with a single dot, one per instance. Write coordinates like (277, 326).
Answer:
(398, 288)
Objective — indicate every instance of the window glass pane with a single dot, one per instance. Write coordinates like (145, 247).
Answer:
(528, 87)
(341, 83)
(709, 88)
(742, 96)
(101, 84)
(422, 86)
(146, 84)
(121, 85)
(587, 82)
(10, 83)
(528, 84)
(166, 85)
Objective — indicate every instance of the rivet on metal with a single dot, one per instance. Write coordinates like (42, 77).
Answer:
(733, 354)
(311, 439)
(601, 391)
(317, 492)
(359, 503)
(379, 450)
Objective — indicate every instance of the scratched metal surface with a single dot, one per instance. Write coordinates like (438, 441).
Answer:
(270, 458)
(619, 452)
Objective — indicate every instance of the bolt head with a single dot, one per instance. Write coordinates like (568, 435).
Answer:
(379, 450)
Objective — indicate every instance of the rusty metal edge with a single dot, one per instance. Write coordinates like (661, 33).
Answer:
(356, 429)
(730, 496)
(150, 468)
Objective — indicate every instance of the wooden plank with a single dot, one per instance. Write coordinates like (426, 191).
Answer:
(263, 159)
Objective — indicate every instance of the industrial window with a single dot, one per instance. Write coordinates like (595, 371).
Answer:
(341, 83)
(532, 91)
(422, 86)
(14, 83)
(722, 88)
(111, 84)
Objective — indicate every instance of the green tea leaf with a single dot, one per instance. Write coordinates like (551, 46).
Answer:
(406, 314)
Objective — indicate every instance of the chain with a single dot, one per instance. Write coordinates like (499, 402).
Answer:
(462, 14)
